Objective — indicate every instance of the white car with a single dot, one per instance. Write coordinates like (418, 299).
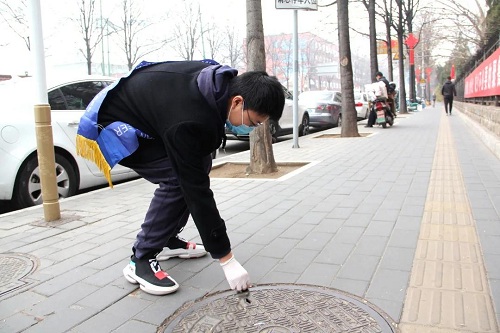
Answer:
(20, 175)
(361, 102)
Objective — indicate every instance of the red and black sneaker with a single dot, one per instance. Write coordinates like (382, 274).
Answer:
(178, 247)
(148, 273)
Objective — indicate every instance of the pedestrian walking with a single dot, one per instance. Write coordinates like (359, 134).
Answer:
(163, 121)
(448, 92)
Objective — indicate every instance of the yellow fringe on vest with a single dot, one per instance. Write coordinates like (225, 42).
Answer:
(89, 149)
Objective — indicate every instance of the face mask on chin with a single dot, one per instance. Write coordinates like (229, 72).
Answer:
(240, 129)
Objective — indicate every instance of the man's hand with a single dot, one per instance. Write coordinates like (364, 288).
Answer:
(236, 275)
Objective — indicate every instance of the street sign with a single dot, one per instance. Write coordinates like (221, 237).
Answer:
(297, 4)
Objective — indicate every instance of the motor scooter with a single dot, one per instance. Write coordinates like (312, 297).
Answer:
(384, 114)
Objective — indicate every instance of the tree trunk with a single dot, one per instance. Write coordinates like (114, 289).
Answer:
(261, 151)
(256, 53)
(389, 49)
(373, 39)
(349, 114)
(402, 90)
(261, 147)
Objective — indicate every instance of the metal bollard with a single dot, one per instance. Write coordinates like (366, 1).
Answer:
(46, 162)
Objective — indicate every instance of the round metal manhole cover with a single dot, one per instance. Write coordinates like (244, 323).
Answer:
(279, 309)
(14, 270)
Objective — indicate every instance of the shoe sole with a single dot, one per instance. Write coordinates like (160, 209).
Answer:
(182, 256)
(130, 276)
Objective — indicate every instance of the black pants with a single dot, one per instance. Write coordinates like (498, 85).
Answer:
(372, 117)
(448, 103)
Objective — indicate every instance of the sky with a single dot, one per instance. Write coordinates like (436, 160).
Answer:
(62, 41)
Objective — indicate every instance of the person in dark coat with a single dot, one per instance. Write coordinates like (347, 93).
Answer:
(448, 92)
(163, 121)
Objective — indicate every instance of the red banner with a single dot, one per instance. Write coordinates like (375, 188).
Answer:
(485, 79)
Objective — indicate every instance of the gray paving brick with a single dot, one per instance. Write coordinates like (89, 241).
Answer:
(278, 248)
(329, 225)
(106, 259)
(297, 231)
(66, 265)
(102, 298)
(341, 213)
(359, 267)
(258, 266)
(314, 241)
(206, 280)
(15, 303)
(389, 285)
(103, 277)
(128, 306)
(371, 245)
(63, 321)
(60, 300)
(397, 258)
(493, 268)
(60, 282)
(17, 323)
(164, 306)
(354, 287)
(409, 223)
(390, 215)
(334, 253)
(318, 274)
(101, 322)
(380, 228)
(264, 236)
(358, 220)
(279, 277)
(297, 260)
(136, 326)
(403, 239)
(392, 308)
(350, 235)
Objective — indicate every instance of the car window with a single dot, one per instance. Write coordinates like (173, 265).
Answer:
(76, 95)
(56, 100)
(358, 96)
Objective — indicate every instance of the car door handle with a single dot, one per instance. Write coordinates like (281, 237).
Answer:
(74, 123)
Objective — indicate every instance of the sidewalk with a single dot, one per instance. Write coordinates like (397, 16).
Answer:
(421, 241)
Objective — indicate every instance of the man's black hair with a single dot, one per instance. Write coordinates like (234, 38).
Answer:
(379, 74)
(262, 93)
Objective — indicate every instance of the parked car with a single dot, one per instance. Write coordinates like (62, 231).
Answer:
(324, 107)
(20, 176)
(361, 102)
(284, 125)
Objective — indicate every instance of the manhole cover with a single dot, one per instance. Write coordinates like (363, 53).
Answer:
(279, 309)
(14, 268)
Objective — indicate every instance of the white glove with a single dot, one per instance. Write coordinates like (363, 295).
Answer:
(236, 275)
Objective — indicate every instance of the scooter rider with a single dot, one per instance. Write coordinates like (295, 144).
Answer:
(380, 91)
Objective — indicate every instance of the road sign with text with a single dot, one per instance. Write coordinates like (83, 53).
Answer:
(297, 4)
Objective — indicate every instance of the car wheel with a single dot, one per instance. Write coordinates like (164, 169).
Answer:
(304, 126)
(28, 191)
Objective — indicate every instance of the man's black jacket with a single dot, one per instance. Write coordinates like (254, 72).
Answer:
(165, 102)
(448, 89)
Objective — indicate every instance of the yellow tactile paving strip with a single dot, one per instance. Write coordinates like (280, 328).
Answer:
(448, 289)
